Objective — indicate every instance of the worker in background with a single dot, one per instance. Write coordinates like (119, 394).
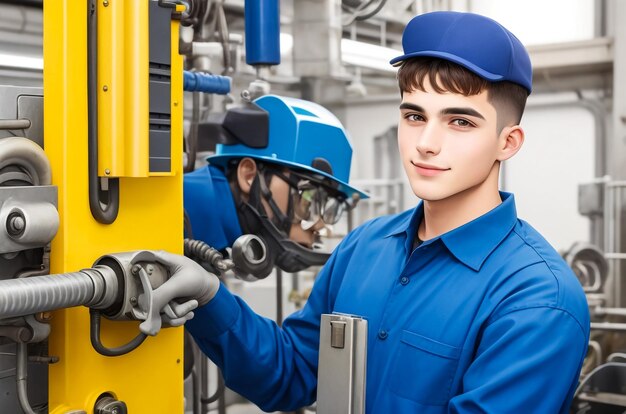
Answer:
(469, 309)
(282, 174)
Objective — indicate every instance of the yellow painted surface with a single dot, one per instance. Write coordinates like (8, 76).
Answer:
(148, 379)
(123, 69)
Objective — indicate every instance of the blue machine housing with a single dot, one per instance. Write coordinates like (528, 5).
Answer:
(299, 132)
(262, 20)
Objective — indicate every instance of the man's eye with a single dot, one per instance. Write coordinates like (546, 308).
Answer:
(414, 117)
(462, 122)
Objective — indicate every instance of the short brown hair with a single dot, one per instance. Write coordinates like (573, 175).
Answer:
(508, 98)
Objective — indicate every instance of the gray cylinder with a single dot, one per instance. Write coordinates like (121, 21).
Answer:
(26, 296)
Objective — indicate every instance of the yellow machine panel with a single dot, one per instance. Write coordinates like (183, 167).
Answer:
(150, 378)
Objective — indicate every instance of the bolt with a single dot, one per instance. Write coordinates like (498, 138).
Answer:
(105, 3)
(178, 361)
(150, 269)
(105, 88)
(133, 301)
(135, 269)
(107, 171)
(175, 103)
(115, 410)
(15, 223)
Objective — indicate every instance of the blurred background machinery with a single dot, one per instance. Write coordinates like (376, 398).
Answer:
(93, 121)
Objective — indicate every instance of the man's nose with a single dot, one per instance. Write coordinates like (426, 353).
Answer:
(428, 140)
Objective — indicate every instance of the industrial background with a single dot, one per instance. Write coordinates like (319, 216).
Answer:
(569, 179)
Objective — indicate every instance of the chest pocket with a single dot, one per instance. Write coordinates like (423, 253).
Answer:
(423, 369)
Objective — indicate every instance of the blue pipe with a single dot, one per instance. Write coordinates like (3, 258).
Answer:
(203, 82)
(262, 20)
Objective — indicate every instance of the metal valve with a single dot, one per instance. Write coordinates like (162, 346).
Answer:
(109, 405)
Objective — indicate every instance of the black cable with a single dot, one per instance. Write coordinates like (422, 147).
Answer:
(104, 211)
(373, 12)
(279, 297)
(94, 334)
(216, 395)
(187, 225)
(28, 3)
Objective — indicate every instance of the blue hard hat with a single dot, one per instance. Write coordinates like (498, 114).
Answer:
(302, 135)
(476, 42)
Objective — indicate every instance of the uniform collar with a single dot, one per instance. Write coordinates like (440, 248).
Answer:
(472, 242)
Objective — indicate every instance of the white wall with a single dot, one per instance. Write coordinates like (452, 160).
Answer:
(541, 21)
(557, 155)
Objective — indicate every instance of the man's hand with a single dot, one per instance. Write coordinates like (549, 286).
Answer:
(188, 283)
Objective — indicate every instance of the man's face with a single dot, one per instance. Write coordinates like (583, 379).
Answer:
(448, 142)
(281, 193)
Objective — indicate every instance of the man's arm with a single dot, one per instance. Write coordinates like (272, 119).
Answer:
(528, 361)
(276, 368)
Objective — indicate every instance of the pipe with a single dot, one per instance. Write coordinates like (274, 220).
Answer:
(21, 377)
(262, 21)
(600, 311)
(207, 83)
(14, 123)
(609, 326)
(90, 287)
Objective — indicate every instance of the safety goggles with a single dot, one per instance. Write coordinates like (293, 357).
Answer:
(313, 201)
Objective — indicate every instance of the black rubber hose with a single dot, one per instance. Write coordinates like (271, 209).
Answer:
(104, 212)
(373, 12)
(94, 334)
(28, 3)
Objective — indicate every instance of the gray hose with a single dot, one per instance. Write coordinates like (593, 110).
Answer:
(200, 250)
(22, 377)
(26, 296)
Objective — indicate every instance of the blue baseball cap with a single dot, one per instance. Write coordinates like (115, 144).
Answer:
(476, 42)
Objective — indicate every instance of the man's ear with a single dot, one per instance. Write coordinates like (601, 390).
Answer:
(246, 171)
(511, 140)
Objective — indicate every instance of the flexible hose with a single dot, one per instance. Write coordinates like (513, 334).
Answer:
(206, 253)
(96, 342)
(21, 377)
(25, 296)
(207, 83)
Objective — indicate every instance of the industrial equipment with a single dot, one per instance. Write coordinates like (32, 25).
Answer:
(342, 364)
(88, 182)
(103, 175)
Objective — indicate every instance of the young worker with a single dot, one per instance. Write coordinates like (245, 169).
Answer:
(469, 309)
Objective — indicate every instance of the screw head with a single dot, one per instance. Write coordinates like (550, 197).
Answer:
(105, 88)
(105, 3)
(107, 171)
(133, 301)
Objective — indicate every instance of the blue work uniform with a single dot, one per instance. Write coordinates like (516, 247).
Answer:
(485, 318)
(209, 204)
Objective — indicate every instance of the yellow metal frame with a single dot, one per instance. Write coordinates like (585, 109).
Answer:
(123, 88)
(148, 379)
